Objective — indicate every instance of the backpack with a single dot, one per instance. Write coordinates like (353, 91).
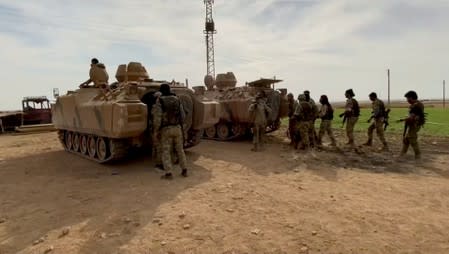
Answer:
(171, 107)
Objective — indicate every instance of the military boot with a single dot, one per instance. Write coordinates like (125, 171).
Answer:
(385, 148)
(255, 148)
(368, 143)
(167, 176)
(184, 172)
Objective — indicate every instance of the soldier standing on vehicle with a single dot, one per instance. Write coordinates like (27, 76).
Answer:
(378, 115)
(312, 132)
(413, 123)
(327, 115)
(169, 116)
(292, 133)
(259, 111)
(97, 74)
(303, 115)
(351, 115)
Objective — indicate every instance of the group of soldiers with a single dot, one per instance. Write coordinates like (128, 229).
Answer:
(167, 118)
(304, 112)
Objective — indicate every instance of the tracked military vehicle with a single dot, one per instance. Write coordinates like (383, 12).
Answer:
(102, 125)
(234, 116)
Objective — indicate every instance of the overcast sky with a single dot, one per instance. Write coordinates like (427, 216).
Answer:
(325, 46)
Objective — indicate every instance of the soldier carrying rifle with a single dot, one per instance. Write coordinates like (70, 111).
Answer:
(379, 114)
(412, 124)
(350, 116)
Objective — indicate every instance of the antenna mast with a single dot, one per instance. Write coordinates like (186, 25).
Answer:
(209, 32)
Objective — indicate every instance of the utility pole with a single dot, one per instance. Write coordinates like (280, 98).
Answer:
(444, 93)
(388, 74)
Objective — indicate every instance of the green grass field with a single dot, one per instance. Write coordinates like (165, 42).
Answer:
(437, 121)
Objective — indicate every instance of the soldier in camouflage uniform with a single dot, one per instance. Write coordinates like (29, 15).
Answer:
(292, 104)
(326, 114)
(156, 133)
(378, 115)
(304, 115)
(413, 123)
(352, 113)
(312, 132)
(97, 74)
(259, 111)
(168, 117)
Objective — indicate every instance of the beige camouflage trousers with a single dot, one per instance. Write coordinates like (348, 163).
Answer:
(171, 138)
(378, 125)
(258, 135)
(304, 130)
(326, 127)
(350, 124)
(411, 139)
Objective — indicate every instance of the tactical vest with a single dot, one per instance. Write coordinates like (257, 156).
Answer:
(307, 113)
(171, 108)
(291, 108)
(418, 110)
(381, 109)
(329, 113)
(355, 108)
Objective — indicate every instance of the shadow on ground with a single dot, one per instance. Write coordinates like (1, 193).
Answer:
(49, 191)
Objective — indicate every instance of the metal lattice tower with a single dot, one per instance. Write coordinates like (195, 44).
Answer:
(209, 32)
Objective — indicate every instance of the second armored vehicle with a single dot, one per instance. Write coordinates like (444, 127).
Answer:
(234, 116)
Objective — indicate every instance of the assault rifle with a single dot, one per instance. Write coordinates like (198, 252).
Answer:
(345, 116)
(405, 127)
(386, 117)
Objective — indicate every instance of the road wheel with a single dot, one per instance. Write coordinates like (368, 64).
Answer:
(223, 131)
(238, 129)
(211, 132)
(102, 148)
(83, 144)
(92, 146)
(68, 140)
(76, 142)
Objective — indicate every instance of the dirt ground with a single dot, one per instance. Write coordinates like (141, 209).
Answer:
(234, 201)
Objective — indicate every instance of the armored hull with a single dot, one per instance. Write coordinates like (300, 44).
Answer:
(103, 125)
(235, 120)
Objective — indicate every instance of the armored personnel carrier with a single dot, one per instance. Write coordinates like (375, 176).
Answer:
(102, 125)
(234, 116)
